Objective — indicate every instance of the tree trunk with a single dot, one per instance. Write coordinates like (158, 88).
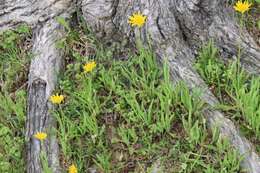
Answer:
(32, 12)
(42, 80)
(44, 68)
(174, 28)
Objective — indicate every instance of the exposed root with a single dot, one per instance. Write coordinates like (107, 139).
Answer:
(176, 29)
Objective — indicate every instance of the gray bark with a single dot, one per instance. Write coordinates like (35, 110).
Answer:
(188, 23)
(32, 12)
(42, 79)
(176, 29)
(44, 68)
(202, 20)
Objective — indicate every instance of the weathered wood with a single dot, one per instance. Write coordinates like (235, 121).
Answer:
(176, 29)
(32, 12)
(202, 20)
(45, 67)
(42, 79)
(195, 22)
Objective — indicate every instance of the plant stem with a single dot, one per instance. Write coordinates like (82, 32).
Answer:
(239, 44)
(138, 40)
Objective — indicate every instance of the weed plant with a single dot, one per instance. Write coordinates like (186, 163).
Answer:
(237, 90)
(126, 116)
(13, 71)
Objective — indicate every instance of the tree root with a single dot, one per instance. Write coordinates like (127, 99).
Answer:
(175, 29)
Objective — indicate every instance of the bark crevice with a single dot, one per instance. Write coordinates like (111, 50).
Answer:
(159, 27)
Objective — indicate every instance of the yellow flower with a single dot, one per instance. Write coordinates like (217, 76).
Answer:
(56, 99)
(73, 169)
(40, 136)
(137, 19)
(242, 6)
(88, 67)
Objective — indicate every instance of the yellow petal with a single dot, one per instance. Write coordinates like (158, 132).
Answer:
(40, 136)
(73, 169)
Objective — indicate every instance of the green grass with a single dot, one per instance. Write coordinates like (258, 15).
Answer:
(125, 116)
(237, 91)
(13, 74)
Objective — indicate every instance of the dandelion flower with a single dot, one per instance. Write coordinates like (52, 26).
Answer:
(137, 19)
(88, 67)
(242, 7)
(40, 136)
(73, 169)
(56, 99)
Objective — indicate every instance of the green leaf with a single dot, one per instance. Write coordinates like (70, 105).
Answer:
(23, 29)
(4, 131)
(258, 23)
(63, 22)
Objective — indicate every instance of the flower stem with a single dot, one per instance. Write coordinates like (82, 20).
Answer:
(139, 45)
(240, 42)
